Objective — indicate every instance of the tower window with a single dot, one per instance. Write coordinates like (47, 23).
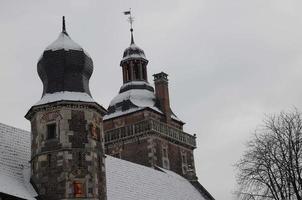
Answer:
(49, 160)
(78, 188)
(51, 131)
(128, 73)
(136, 72)
(165, 154)
(144, 73)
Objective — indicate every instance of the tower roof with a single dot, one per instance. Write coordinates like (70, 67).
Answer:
(64, 41)
(133, 51)
(65, 69)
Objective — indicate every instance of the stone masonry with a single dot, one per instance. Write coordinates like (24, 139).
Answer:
(71, 164)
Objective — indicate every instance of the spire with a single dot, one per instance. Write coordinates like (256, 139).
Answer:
(132, 40)
(63, 26)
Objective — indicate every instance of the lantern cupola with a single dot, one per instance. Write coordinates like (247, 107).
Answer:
(134, 63)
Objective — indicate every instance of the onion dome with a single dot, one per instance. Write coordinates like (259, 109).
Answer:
(65, 69)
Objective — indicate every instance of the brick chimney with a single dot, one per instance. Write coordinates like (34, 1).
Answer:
(162, 93)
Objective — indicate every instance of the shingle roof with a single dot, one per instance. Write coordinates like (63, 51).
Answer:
(14, 165)
(125, 180)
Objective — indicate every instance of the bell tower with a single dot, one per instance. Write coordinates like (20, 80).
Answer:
(140, 126)
(67, 157)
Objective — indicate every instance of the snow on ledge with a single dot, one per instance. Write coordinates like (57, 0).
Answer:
(135, 83)
(65, 95)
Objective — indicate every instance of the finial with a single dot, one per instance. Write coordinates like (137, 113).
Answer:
(130, 20)
(63, 26)
(132, 40)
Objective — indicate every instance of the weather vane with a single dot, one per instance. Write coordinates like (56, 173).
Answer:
(130, 18)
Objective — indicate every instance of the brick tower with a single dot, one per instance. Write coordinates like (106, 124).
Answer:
(140, 126)
(67, 157)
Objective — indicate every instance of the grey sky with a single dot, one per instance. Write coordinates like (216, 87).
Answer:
(229, 63)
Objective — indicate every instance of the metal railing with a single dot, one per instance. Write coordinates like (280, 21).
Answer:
(150, 125)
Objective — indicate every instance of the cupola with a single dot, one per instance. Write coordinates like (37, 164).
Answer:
(134, 63)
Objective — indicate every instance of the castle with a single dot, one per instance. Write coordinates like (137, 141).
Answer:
(134, 149)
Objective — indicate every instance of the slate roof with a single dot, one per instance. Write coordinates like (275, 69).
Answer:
(125, 180)
(14, 165)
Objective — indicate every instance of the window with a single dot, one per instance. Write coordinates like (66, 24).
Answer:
(81, 158)
(78, 188)
(184, 164)
(165, 154)
(144, 73)
(51, 131)
(184, 158)
(165, 159)
(136, 72)
(49, 160)
(166, 164)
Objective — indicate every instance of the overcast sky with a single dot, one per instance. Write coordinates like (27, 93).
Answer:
(229, 62)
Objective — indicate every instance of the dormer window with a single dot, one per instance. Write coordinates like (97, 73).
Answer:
(51, 131)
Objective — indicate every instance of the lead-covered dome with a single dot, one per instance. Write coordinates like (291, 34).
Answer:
(65, 69)
(133, 51)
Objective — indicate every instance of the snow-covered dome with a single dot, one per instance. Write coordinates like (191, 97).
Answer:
(65, 69)
(133, 51)
(64, 42)
(133, 96)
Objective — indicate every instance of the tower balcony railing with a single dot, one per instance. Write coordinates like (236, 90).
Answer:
(149, 126)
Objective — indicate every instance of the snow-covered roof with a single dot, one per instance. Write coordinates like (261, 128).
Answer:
(64, 42)
(65, 95)
(140, 98)
(125, 180)
(133, 51)
(130, 181)
(14, 162)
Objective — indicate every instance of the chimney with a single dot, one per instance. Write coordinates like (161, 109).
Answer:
(162, 93)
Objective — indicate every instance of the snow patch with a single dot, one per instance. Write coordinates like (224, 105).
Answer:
(134, 56)
(120, 113)
(135, 83)
(65, 95)
(139, 97)
(64, 42)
